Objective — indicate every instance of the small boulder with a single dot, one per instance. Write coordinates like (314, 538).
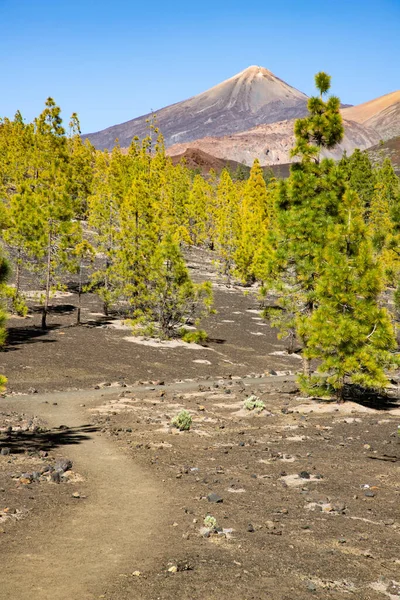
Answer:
(62, 465)
(214, 498)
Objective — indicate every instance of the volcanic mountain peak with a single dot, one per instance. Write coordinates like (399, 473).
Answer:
(251, 97)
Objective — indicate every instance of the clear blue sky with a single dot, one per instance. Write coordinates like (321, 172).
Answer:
(113, 60)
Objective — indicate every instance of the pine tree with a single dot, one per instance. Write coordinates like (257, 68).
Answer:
(384, 226)
(360, 175)
(57, 231)
(348, 331)
(323, 127)
(174, 203)
(175, 298)
(226, 223)
(81, 162)
(253, 219)
(41, 214)
(16, 167)
(103, 214)
(307, 203)
(137, 238)
(198, 211)
(84, 252)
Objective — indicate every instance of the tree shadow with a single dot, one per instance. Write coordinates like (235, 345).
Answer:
(386, 458)
(56, 309)
(17, 336)
(375, 399)
(216, 340)
(99, 322)
(33, 441)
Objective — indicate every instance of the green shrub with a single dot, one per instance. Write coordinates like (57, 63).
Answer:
(194, 337)
(183, 421)
(210, 522)
(18, 304)
(253, 402)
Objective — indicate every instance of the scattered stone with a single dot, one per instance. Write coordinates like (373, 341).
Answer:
(76, 495)
(304, 475)
(369, 494)
(205, 532)
(173, 569)
(250, 528)
(311, 586)
(214, 498)
(63, 465)
(25, 480)
(55, 477)
(339, 507)
(5, 451)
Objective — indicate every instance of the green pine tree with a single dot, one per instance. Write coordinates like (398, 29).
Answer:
(348, 332)
(175, 298)
(226, 223)
(253, 217)
(307, 203)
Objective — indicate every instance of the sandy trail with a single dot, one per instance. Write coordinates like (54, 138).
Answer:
(114, 530)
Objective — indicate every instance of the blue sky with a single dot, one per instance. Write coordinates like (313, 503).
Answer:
(113, 60)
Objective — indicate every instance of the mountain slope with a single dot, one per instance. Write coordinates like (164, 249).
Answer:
(390, 149)
(201, 161)
(271, 143)
(250, 98)
(381, 114)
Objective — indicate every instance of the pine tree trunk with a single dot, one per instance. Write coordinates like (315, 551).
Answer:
(306, 367)
(78, 312)
(18, 274)
(48, 278)
(340, 392)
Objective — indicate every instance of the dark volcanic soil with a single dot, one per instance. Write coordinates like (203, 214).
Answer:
(69, 357)
(309, 491)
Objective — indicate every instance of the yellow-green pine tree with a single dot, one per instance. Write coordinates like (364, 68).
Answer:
(253, 222)
(226, 224)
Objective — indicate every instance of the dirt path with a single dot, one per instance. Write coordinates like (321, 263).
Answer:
(113, 531)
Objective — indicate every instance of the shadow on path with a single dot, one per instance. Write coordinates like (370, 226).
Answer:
(34, 441)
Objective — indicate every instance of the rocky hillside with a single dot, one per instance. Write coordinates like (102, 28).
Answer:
(390, 149)
(250, 98)
(201, 161)
(381, 114)
(271, 143)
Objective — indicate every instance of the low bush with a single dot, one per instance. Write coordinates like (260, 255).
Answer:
(253, 403)
(182, 421)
